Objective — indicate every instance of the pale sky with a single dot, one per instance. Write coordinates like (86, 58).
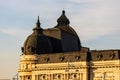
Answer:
(97, 23)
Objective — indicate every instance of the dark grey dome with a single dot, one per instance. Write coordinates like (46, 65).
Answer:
(63, 24)
(61, 38)
(37, 42)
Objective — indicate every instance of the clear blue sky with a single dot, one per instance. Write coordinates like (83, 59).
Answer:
(97, 23)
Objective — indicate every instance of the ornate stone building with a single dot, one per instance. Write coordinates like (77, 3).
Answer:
(57, 54)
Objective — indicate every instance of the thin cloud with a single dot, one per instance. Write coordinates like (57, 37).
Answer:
(84, 1)
(96, 17)
(98, 21)
(15, 32)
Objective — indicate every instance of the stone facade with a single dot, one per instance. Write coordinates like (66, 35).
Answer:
(57, 54)
(69, 66)
(54, 67)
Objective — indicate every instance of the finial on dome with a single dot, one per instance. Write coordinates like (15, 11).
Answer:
(63, 20)
(63, 12)
(38, 20)
(37, 27)
(38, 23)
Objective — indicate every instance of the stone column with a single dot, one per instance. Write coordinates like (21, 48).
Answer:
(36, 77)
(81, 76)
(63, 76)
(50, 76)
(23, 77)
(33, 77)
(20, 77)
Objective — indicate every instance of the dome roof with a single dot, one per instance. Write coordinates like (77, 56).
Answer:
(63, 25)
(37, 42)
(63, 20)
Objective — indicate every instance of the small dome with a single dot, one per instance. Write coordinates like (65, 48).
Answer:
(37, 42)
(63, 20)
(63, 24)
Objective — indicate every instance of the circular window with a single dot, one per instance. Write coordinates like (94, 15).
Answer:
(112, 56)
(62, 58)
(46, 59)
(99, 57)
(77, 57)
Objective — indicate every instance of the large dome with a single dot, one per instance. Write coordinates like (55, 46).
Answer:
(61, 38)
(37, 42)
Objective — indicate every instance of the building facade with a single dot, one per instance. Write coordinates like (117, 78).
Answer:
(57, 54)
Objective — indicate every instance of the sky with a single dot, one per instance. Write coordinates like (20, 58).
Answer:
(97, 23)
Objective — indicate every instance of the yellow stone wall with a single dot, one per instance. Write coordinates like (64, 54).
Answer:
(61, 71)
(52, 71)
(99, 70)
(105, 70)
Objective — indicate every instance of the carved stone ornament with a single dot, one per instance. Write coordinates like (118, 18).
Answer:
(77, 57)
(112, 56)
(46, 59)
(99, 57)
(62, 58)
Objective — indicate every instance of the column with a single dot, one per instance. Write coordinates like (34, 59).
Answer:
(20, 77)
(63, 76)
(33, 77)
(66, 78)
(50, 76)
(81, 76)
(23, 78)
(36, 77)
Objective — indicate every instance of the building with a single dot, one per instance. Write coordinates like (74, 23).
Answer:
(57, 54)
